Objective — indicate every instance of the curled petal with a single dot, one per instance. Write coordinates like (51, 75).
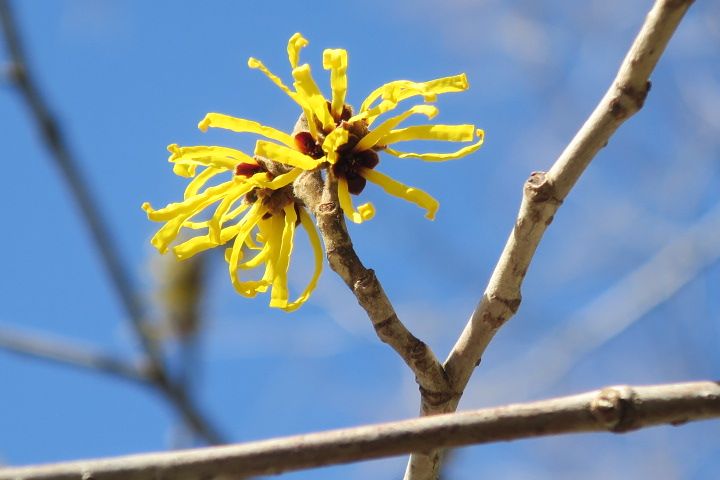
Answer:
(446, 133)
(219, 120)
(279, 181)
(248, 222)
(279, 293)
(209, 156)
(296, 43)
(285, 155)
(441, 157)
(335, 139)
(199, 181)
(299, 99)
(196, 245)
(190, 206)
(364, 212)
(335, 60)
(393, 187)
(402, 89)
(307, 88)
(219, 217)
(309, 227)
(376, 136)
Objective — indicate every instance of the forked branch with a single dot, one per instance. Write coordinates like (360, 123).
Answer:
(542, 196)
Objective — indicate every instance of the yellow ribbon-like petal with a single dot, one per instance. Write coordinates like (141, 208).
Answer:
(279, 181)
(210, 156)
(176, 214)
(336, 61)
(441, 157)
(296, 43)
(218, 120)
(446, 133)
(364, 212)
(393, 187)
(216, 221)
(248, 222)
(307, 88)
(309, 227)
(335, 139)
(258, 259)
(285, 155)
(298, 98)
(399, 90)
(199, 181)
(376, 136)
(279, 293)
(195, 245)
(193, 204)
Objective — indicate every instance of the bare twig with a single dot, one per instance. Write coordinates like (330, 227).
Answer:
(542, 196)
(629, 300)
(323, 201)
(51, 133)
(62, 351)
(615, 409)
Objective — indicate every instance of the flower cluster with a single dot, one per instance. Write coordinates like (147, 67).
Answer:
(256, 208)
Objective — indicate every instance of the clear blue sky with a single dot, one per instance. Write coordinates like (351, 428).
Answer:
(128, 78)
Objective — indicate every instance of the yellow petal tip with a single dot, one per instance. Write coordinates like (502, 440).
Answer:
(204, 123)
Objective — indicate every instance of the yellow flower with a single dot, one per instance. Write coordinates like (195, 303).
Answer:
(252, 201)
(330, 131)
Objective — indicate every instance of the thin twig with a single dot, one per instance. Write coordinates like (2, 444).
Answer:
(617, 409)
(51, 133)
(542, 196)
(322, 199)
(629, 300)
(62, 351)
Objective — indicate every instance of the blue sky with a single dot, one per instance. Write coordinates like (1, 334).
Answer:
(128, 78)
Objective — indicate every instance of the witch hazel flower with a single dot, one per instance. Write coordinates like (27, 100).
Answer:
(255, 211)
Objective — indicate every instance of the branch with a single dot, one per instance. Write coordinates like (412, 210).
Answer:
(681, 260)
(321, 198)
(63, 352)
(615, 409)
(542, 196)
(51, 133)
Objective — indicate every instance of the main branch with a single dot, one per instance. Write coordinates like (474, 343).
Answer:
(614, 409)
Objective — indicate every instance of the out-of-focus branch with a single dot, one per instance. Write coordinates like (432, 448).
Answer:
(51, 133)
(321, 198)
(615, 409)
(62, 351)
(542, 196)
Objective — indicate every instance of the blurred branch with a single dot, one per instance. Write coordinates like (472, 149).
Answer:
(51, 133)
(617, 409)
(543, 194)
(629, 300)
(322, 199)
(62, 351)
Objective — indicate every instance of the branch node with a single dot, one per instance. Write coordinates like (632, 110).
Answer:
(613, 408)
(540, 189)
(512, 304)
(433, 399)
(327, 208)
(628, 100)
